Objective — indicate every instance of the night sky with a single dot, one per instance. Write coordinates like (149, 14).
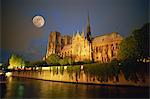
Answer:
(19, 35)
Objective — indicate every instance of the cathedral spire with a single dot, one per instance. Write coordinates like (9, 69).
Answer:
(82, 32)
(88, 29)
(88, 24)
(73, 35)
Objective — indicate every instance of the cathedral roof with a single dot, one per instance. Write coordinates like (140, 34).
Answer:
(107, 34)
(107, 37)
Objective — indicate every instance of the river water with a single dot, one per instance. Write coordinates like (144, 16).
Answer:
(30, 88)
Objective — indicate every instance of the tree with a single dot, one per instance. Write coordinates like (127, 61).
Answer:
(16, 61)
(63, 61)
(27, 63)
(86, 61)
(39, 63)
(133, 48)
(4, 65)
(141, 36)
(70, 61)
(53, 59)
(114, 69)
(66, 61)
(128, 48)
(136, 45)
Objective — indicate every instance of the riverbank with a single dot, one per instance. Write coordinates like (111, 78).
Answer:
(76, 77)
(117, 85)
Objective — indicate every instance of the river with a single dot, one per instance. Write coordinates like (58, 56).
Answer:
(31, 88)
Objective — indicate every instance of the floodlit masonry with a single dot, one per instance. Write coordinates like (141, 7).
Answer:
(83, 47)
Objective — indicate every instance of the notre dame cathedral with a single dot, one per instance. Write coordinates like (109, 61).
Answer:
(82, 46)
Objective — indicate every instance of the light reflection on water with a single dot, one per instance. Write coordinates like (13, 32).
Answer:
(30, 88)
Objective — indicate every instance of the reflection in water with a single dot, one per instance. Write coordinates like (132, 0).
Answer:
(2, 89)
(29, 88)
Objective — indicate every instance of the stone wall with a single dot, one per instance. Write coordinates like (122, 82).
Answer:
(106, 47)
(54, 43)
(48, 74)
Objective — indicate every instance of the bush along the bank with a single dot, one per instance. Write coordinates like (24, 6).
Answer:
(70, 71)
(55, 70)
(102, 71)
(61, 70)
(114, 70)
(74, 70)
(134, 71)
(77, 70)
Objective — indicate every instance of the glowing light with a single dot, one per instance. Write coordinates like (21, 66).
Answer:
(8, 74)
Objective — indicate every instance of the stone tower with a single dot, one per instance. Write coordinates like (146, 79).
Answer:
(66, 40)
(54, 43)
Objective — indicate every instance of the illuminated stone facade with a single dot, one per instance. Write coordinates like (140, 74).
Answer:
(106, 47)
(80, 47)
(54, 43)
(78, 50)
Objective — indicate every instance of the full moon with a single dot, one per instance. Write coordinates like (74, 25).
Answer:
(38, 21)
